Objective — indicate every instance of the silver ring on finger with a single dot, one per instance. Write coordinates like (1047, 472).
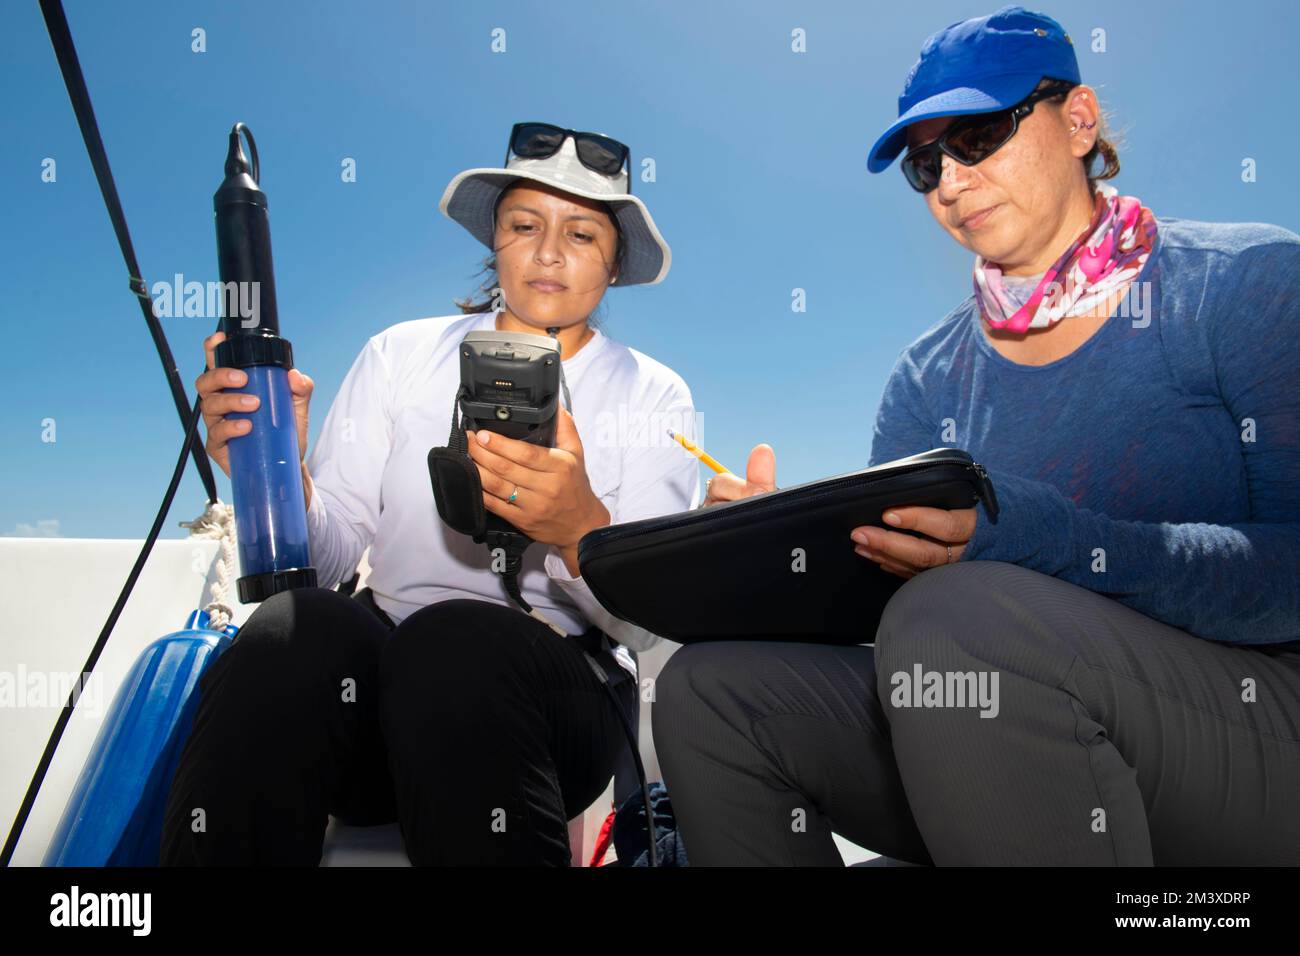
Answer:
(949, 561)
(515, 494)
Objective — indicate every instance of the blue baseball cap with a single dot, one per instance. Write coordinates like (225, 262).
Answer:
(978, 66)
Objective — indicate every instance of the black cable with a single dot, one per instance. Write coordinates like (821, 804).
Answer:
(29, 800)
(61, 37)
(56, 22)
(636, 758)
(514, 549)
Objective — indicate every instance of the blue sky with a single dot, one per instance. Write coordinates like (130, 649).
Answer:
(761, 188)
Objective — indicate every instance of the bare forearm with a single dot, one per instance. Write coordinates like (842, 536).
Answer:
(600, 518)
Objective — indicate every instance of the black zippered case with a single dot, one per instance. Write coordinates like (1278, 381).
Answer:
(775, 566)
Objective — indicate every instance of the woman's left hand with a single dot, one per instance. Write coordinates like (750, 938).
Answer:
(907, 555)
(554, 503)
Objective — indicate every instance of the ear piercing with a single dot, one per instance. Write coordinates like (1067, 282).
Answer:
(1083, 96)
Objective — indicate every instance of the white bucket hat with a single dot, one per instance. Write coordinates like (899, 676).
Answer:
(470, 199)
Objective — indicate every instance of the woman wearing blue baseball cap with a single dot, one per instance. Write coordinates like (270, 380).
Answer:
(1111, 673)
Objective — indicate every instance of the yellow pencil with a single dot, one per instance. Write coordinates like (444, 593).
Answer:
(698, 452)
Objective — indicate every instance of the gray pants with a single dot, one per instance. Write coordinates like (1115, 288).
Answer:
(1111, 738)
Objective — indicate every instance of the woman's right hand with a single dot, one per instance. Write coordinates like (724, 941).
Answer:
(217, 403)
(760, 476)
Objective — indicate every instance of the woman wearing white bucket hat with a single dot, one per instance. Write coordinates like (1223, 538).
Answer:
(586, 165)
(468, 721)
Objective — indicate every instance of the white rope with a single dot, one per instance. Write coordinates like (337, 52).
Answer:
(218, 521)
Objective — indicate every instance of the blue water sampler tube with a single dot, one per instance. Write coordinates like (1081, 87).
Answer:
(265, 471)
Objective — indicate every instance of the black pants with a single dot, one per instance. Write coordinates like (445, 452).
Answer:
(472, 724)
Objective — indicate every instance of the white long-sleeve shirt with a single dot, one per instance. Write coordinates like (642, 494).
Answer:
(371, 484)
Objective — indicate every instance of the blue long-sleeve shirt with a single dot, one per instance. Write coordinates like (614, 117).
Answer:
(1164, 449)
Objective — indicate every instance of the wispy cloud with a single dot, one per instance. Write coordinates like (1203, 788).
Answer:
(45, 528)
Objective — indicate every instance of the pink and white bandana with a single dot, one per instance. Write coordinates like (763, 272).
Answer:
(1110, 252)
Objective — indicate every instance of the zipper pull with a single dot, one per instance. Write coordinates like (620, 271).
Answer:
(986, 493)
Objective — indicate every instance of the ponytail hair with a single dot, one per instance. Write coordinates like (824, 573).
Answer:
(1102, 146)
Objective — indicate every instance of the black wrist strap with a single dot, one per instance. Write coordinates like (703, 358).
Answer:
(458, 493)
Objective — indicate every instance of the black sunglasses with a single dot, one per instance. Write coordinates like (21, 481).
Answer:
(972, 139)
(598, 153)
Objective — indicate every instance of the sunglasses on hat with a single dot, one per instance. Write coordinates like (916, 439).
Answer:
(598, 153)
(972, 139)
